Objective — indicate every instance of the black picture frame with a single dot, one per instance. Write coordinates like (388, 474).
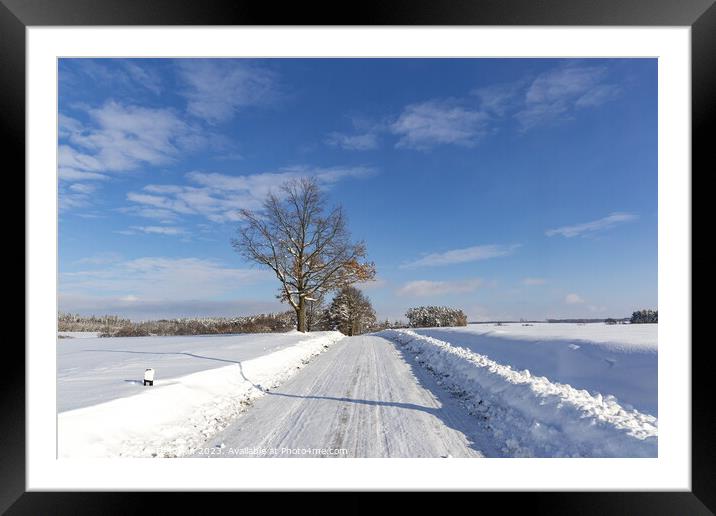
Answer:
(700, 15)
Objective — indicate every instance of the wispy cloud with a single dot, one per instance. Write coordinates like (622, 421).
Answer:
(126, 77)
(602, 224)
(144, 76)
(220, 197)
(360, 142)
(425, 288)
(119, 138)
(160, 278)
(467, 254)
(100, 259)
(154, 230)
(137, 308)
(499, 99)
(531, 101)
(555, 94)
(365, 135)
(573, 299)
(217, 89)
(424, 125)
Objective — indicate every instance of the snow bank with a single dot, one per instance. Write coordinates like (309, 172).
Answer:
(176, 416)
(620, 360)
(531, 415)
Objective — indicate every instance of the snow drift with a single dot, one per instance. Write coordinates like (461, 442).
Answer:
(531, 415)
(177, 416)
(620, 360)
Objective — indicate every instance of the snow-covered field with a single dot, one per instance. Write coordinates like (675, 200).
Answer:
(620, 359)
(550, 389)
(543, 390)
(104, 411)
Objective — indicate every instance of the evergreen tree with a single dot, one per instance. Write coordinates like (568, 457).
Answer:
(351, 312)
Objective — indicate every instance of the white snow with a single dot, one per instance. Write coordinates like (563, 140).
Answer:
(533, 415)
(620, 359)
(92, 371)
(194, 396)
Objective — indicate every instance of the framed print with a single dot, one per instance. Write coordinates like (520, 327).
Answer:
(431, 242)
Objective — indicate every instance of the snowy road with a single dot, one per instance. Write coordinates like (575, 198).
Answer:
(361, 398)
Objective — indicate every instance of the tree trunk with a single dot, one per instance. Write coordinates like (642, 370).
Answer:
(301, 315)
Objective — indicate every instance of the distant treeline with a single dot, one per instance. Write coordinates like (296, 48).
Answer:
(435, 316)
(95, 323)
(113, 326)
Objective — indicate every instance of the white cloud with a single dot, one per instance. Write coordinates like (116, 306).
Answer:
(145, 77)
(100, 259)
(364, 141)
(137, 308)
(118, 138)
(426, 124)
(598, 96)
(534, 281)
(425, 288)
(123, 137)
(74, 165)
(127, 77)
(498, 99)
(468, 254)
(76, 195)
(160, 278)
(157, 230)
(607, 222)
(217, 89)
(573, 299)
(220, 197)
(83, 188)
(555, 94)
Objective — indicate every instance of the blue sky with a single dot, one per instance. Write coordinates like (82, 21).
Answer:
(510, 188)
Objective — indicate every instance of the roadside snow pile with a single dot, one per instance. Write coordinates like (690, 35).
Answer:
(173, 418)
(620, 359)
(530, 415)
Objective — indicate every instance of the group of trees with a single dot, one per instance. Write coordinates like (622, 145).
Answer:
(645, 316)
(113, 326)
(435, 316)
(309, 249)
(101, 323)
(350, 312)
(305, 244)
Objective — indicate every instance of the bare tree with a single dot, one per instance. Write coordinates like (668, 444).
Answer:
(308, 248)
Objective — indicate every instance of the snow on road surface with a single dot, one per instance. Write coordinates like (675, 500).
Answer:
(619, 360)
(92, 371)
(533, 415)
(361, 398)
(195, 394)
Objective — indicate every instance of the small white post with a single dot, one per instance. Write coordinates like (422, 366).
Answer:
(149, 376)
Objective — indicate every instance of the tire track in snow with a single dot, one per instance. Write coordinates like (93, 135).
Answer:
(360, 395)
